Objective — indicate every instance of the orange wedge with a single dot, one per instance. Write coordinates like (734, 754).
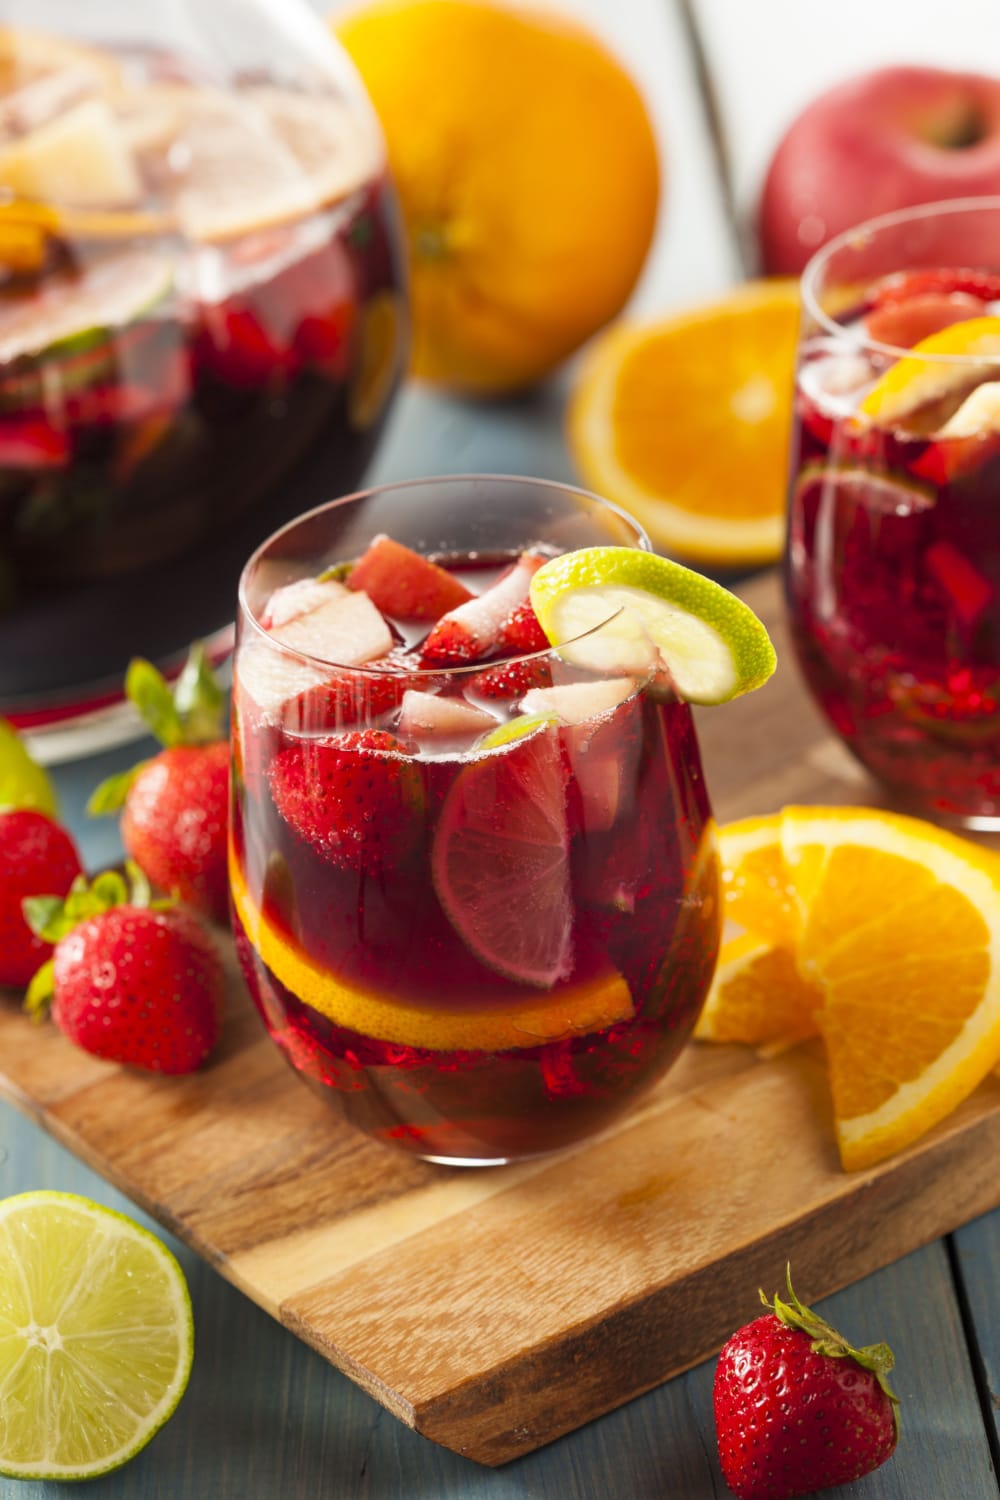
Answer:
(947, 363)
(896, 963)
(571, 1010)
(685, 423)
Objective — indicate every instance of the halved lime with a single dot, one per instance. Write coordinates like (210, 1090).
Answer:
(72, 312)
(96, 1337)
(22, 782)
(620, 611)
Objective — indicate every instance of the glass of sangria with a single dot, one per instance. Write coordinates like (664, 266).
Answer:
(474, 879)
(202, 323)
(893, 556)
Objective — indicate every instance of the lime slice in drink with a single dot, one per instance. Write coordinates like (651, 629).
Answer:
(616, 610)
(71, 312)
(500, 861)
(516, 729)
(96, 1337)
(22, 783)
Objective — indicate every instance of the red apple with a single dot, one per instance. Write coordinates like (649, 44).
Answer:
(886, 140)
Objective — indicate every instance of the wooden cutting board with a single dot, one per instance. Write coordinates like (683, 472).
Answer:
(494, 1310)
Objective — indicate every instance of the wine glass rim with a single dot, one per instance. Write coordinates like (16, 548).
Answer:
(855, 238)
(424, 673)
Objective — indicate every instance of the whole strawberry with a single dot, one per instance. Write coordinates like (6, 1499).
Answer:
(37, 858)
(130, 980)
(797, 1409)
(175, 806)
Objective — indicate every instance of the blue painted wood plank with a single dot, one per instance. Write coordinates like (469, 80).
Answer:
(977, 1255)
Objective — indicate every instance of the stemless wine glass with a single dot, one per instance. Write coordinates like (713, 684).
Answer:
(201, 326)
(893, 557)
(478, 906)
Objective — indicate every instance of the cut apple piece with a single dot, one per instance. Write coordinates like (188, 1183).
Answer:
(78, 159)
(405, 585)
(467, 633)
(267, 679)
(978, 413)
(576, 702)
(431, 716)
(346, 631)
(299, 598)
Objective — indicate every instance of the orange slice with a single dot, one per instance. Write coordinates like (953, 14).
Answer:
(896, 963)
(758, 996)
(574, 1010)
(944, 364)
(756, 892)
(685, 423)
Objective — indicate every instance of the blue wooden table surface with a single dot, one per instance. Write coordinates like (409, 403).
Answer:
(264, 1417)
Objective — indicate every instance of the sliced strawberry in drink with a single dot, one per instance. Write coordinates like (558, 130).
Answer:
(405, 585)
(346, 701)
(31, 441)
(355, 798)
(906, 323)
(500, 860)
(521, 630)
(467, 633)
(512, 679)
(239, 349)
(325, 342)
(900, 286)
(968, 591)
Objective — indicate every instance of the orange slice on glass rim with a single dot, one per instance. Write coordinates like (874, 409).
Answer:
(945, 364)
(571, 1010)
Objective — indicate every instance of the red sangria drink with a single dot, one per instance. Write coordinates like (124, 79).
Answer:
(201, 326)
(474, 879)
(893, 559)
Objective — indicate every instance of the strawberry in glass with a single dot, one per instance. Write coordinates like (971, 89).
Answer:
(893, 558)
(474, 891)
(201, 327)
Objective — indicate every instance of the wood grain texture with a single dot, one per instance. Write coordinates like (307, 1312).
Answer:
(493, 1311)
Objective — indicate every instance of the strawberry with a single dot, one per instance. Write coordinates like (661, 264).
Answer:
(797, 1409)
(512, 679)
(37, 858)
(900, 286)
(175, 806)
(403, 584)
(354, 797)
(472, 630)
(346, 700)
(521, 630)
(130, 980)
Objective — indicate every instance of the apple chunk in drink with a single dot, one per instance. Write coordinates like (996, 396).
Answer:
(475, 888)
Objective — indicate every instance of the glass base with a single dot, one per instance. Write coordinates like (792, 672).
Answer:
(72, 730)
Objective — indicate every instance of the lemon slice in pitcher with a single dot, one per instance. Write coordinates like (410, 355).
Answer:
(632, 607)
(96, 1337)
(947, 363)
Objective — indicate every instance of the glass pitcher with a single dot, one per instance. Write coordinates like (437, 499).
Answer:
(202, 324)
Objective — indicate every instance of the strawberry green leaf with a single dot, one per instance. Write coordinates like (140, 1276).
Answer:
(40, 991)
(337, 571)
(140, 890)
(149, 690)
(108, 889)
(199, 700)
(44, 915)
(110, 796)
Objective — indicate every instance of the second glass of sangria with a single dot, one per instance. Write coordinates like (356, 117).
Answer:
(474, 879)
(893, 557)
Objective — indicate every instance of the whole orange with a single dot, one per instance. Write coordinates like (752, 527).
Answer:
(528, 177)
